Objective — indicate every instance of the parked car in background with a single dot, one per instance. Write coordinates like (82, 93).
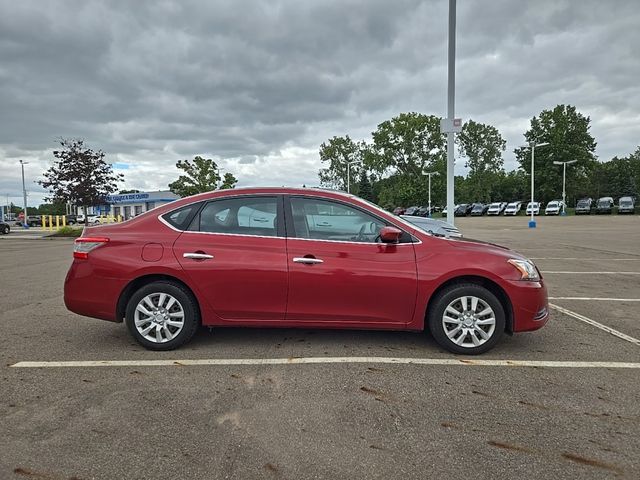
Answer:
(444, 210)
(433, 226)
(513, 208)
(554, 207)
(90, 220)
(32, 221)
(604, 205)
(626, 205)
(412, 210)
(422, 212)
(399, 211)
(583, 207)
(479, 209)
(535, 206)
(4, 228)
(496, 208)
(463, 210)
(71, 219)
(284, 257)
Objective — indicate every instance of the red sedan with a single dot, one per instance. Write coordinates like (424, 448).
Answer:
(282, 257)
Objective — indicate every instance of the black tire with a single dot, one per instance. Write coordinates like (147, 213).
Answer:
(437, 309)
(186, 300)
(5, 229)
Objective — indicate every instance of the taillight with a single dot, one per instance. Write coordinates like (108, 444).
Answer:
(84, 245)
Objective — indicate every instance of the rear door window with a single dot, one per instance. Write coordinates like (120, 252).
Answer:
(239, 216)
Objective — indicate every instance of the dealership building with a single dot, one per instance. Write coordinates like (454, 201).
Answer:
(129, 205)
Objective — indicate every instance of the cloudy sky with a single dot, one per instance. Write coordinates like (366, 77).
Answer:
(258, 85)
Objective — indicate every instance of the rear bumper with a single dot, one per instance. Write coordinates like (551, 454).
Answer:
(90, 292)
(530, 305)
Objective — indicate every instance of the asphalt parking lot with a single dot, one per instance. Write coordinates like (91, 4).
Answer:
(572, 412)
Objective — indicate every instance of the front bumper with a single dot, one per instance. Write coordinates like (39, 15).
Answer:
(530, 305)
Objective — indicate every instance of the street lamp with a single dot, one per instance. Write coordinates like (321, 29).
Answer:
(25, 222)
(356, 162)
(564, 182)
(533, 145)
(430, 174)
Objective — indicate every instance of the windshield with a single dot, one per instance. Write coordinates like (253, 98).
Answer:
(604, 203)
(583, 203)
(552, 205)
(625, 203)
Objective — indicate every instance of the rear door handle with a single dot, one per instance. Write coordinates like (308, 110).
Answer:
(197, 256)
(307, 260)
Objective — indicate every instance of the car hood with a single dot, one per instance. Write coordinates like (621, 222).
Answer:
(485, 247)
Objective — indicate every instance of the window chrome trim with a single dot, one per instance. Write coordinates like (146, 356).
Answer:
(271, 194)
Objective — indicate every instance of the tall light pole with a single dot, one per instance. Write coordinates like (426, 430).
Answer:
(564, 182)
(430, 174)
(25, 223)
(451, 96)
(533, 145)
(357, 162)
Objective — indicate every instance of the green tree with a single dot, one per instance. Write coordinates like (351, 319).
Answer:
(567, 132)
(409, 145)
(200, 175)
(482, 145)
(79, 175)
(51, 209)
(228, 182)
(340, 154)
(365, 189)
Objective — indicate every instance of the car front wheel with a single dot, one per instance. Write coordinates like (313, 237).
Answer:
(5, 229)
(162, 315)
(466, 319)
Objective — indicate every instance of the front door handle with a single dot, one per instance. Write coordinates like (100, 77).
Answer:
(307, 260)
(197, 256)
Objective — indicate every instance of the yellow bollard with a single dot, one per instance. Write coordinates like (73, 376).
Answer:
(64, 221)
(44, 221)
(57, 222)
(119, 218)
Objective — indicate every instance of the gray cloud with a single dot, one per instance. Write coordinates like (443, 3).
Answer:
(260, 84)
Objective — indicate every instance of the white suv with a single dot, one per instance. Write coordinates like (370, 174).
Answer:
(535, 206)
(554, 207)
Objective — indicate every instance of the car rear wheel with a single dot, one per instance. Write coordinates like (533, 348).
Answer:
(5, 229)
(467, 319)
(162, 315)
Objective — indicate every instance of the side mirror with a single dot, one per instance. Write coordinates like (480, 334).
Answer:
(390, 234)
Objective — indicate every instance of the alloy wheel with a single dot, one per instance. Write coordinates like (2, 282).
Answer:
(159, 317)
(469, 321)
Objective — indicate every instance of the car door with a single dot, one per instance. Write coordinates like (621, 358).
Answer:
(339, 274)
(235, 253)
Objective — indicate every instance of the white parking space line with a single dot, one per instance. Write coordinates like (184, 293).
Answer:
(587, 259)
(597, 299)
(599, 325)
(327, 360)
(546, 272)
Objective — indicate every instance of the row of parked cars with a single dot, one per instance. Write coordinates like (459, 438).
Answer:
(555, 207)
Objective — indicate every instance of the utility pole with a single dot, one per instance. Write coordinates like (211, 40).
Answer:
(533, 145)
(451, 96)
(25, 220)
(564, 182)
(430, 174)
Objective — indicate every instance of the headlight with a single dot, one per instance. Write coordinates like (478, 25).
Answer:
(526, 268)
